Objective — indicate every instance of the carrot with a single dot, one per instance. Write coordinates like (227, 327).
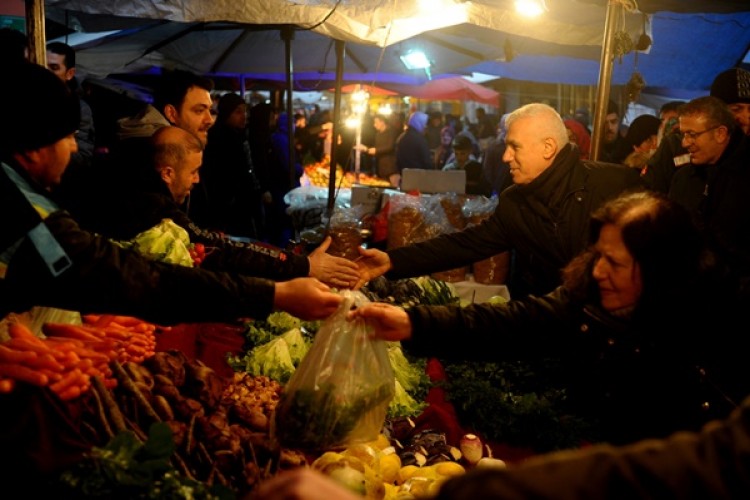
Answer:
(103, 321)
(21, 331)
(9, 355)
(46, 361)
(51, 375)
(73, 377)
(24, 344)
(68, 331)
(23, 374)
(71, 392)
(7, 385)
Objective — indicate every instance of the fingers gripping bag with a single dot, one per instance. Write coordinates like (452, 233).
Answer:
(339, 394)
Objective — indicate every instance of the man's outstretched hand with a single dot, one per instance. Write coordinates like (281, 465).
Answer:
(331, 270)
(372, 263)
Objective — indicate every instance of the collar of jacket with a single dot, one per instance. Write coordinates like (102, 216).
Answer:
(551, 187)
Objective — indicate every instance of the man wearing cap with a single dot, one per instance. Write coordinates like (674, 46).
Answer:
(463, 159)
(715, 185)
(641, 138)
(47, 259)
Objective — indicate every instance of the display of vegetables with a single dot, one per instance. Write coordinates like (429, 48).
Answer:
(70, 355)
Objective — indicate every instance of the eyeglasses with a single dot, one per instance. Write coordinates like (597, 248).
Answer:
(692, 136)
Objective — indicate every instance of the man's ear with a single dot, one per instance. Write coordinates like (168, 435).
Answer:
(171, 113)
(166, 174)
(550, 148)
(70, 73)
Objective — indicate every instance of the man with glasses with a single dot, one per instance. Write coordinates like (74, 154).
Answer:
(715, 185)
(731, 86)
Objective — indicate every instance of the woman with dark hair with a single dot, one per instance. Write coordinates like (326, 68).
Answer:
(635, 326)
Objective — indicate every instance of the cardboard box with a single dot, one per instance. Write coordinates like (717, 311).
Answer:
(433, 181)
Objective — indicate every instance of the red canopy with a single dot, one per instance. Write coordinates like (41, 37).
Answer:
(456, 88)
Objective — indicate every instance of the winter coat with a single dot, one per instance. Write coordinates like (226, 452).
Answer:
(412, 151)
(385, 153)
(643, 376)
(90, 274)
(546, 222)
(230, 183)
(718, 196)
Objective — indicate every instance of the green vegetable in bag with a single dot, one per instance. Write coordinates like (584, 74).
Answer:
(339, 394)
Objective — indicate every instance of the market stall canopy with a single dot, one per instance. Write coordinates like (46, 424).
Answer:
(456, 88)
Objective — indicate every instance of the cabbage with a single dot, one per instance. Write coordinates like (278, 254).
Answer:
(297, 345)
(271, 359)
(165, 242)
(403, 405)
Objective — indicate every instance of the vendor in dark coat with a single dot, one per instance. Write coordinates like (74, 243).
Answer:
(543, 217)
(48, 260)
(158, 192)
(641, 325)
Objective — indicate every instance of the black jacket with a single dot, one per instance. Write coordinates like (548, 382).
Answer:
(103, 277)
(546, 222)
(644, 376)
(718, 196)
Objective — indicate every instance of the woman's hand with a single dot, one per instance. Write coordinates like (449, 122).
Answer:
(389, 322)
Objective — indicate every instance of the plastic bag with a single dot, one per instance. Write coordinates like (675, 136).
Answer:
(340, 392)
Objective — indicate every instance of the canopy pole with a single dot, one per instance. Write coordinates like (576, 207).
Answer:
(35, 32)
(340, 45)
(614, 8)
(287, 34)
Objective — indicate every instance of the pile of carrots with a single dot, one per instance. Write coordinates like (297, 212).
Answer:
(71, 354)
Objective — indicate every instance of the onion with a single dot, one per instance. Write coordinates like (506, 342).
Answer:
(471, 447)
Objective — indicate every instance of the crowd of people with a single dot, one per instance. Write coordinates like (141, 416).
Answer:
(632, 271)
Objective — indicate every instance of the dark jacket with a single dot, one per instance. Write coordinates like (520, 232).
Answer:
(546, 222)
(718, 196)
(645, 376)
(102, 277)
(230, 183)
(412, 151)
(385, 153)
(146, 204)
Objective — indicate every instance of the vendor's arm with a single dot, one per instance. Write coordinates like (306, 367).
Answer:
(105, 278)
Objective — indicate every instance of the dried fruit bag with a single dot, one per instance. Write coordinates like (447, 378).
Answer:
(340, 392)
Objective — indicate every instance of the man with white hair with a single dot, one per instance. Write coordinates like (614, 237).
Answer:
(543, 217)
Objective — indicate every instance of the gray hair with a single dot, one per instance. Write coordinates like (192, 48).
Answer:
(549, 125)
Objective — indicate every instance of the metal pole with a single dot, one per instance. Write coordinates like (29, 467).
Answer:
(287, 34)
(605, 75)
(35, 32)
(340, 45)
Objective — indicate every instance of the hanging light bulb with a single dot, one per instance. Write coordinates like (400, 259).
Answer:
(530, 8)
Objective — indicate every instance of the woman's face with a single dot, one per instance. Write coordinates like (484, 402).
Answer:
(615, 271)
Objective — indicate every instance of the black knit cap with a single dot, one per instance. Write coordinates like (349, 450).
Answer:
(641, 129)
(732, 86)
(227, 104)
(39, 110)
